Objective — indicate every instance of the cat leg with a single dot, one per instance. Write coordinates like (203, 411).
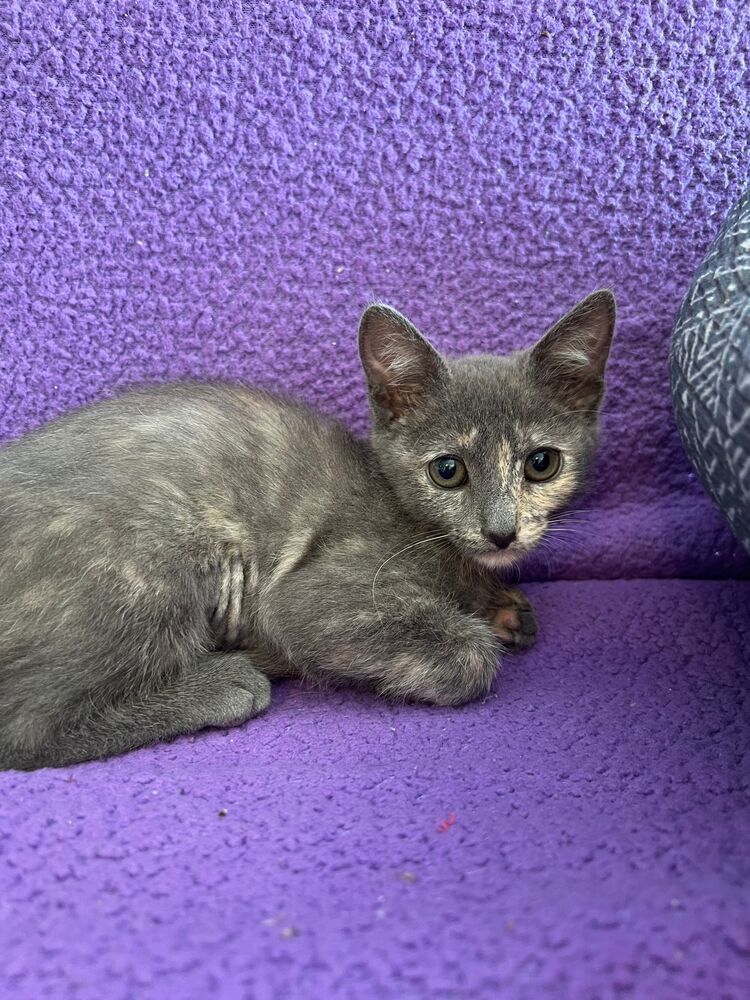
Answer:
(216, 690)
(418, 646)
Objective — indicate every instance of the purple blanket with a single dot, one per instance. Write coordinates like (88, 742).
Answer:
(583, 833)
(218, 189)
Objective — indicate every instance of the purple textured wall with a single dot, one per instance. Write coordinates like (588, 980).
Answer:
(218, 188)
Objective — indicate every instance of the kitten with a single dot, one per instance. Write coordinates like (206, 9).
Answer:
(165, 553)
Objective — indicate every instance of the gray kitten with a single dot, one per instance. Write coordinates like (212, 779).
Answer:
(163, 554)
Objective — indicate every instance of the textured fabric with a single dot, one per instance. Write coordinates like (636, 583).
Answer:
(217, 189)
(710, 370)
(583, 833)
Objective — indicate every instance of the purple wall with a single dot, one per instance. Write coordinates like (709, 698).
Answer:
(218, 188)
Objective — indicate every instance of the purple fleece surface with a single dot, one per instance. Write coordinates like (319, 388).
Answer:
(600, 843)
(217, 189)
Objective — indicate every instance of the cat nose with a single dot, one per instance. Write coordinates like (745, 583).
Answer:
(501, 541)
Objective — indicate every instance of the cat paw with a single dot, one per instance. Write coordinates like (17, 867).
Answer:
(234, 691)
(513, 620)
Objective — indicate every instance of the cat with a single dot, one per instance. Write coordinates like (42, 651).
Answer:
(164, 555)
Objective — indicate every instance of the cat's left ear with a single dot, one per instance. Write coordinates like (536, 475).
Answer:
(571, 357)
(402, 367)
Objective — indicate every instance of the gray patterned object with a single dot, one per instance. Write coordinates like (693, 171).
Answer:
(710, 371)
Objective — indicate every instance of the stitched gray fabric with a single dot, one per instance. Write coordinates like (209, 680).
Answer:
(710, 371)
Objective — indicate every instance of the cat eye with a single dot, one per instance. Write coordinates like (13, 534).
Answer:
(542, 464)
(447, 472)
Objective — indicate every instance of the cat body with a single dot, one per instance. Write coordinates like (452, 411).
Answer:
(163, 555)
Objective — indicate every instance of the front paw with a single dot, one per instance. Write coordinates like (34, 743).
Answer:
(513, 620)
(231, 690)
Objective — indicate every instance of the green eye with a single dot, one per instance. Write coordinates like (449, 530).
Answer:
(542, 465)
(447, 472)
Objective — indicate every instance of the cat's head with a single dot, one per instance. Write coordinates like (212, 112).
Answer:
(487, 449)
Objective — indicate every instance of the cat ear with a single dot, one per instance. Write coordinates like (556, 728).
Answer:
(402, 367)
(571, 357)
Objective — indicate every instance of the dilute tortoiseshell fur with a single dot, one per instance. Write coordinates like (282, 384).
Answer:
(163, 554)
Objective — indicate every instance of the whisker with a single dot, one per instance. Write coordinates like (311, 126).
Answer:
(422, 541)
(557, 530)
(570, 515)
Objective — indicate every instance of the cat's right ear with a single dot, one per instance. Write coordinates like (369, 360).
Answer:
(571, 357)
(401, 366)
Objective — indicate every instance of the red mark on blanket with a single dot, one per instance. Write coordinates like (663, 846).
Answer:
(447, 823)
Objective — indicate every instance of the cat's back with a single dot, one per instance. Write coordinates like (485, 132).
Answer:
(173, 452)
(167, 419)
